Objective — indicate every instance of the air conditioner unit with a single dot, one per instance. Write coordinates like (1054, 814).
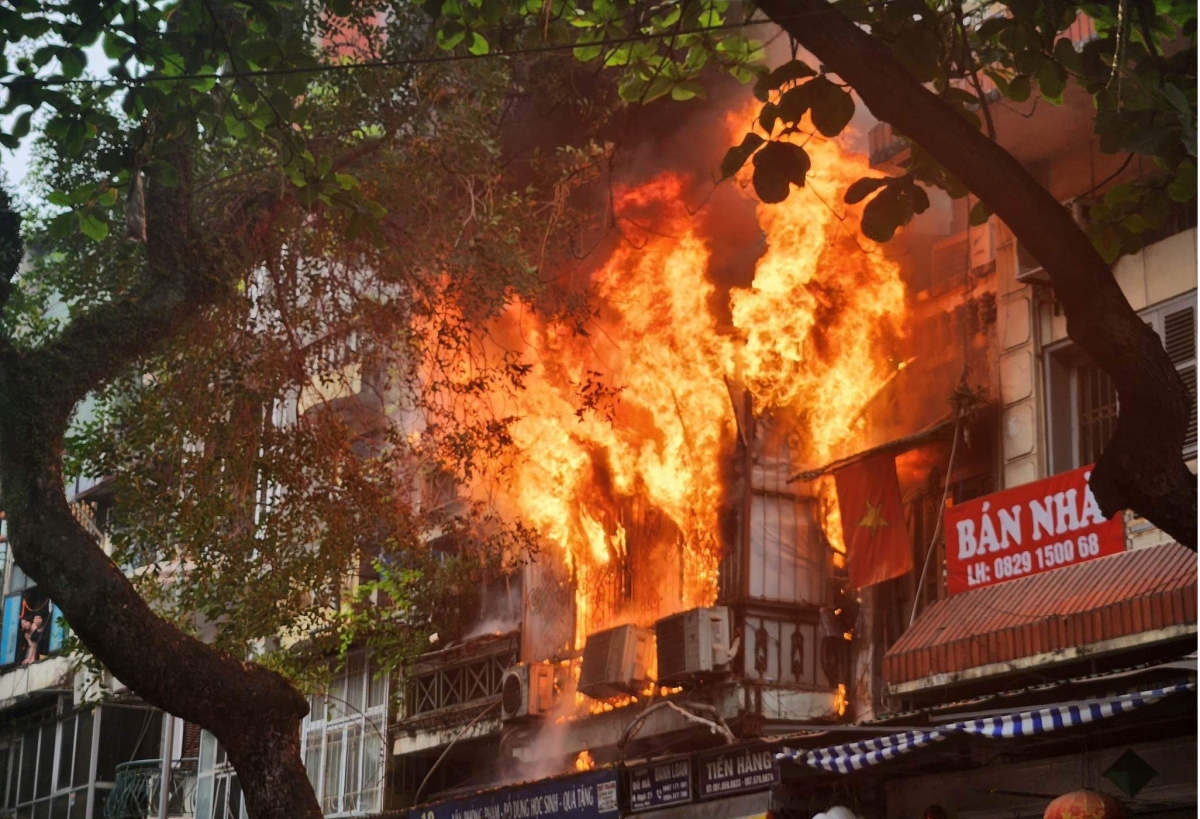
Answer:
(693, 644)
(617, 661)
(527, 690)
(1029, 269)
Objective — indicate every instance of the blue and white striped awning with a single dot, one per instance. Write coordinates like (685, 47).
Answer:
(854, 756)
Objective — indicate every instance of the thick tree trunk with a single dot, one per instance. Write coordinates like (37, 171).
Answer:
(253, 712)
(1142, 467)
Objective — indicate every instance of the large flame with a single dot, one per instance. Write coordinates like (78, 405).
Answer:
(629, 498)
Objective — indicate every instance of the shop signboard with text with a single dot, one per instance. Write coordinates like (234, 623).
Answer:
(591, 795)
(736, 770)
(1026, 530)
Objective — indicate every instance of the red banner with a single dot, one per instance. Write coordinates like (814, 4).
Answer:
(1027, 530)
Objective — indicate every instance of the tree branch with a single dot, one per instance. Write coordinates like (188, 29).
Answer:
(1142, 467)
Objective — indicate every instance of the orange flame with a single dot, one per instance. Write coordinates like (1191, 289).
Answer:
(630, 504)
(584, 761)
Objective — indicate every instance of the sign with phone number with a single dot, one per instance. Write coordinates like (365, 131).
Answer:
(1026, 530)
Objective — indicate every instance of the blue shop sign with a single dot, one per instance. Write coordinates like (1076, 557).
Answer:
(658, 784)
(736, 770)
(592, 795)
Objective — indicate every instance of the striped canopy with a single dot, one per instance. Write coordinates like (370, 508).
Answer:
(854, 756)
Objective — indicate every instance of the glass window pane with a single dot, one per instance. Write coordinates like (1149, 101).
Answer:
(312, 760)
(352, 782)
(331, 801)
(28, 765)
(45, 760)
(208, 751)
(11, 628)
(83, 750)
(5, 756)
(98, 803)
(66, 753)
(59, 806)
(377, 687)
(372, 769)
(234, 804)
(127, 734)
(77, 804)
(41, 810)
(337, 698)
(204, 796)
(356, 672)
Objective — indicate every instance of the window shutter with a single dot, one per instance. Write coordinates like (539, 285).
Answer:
(1179, 335)
(1189, 378)
(1179, 339)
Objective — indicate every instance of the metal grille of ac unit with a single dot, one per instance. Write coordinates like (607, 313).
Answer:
(616, 661)
(671, 636)
(513, 695)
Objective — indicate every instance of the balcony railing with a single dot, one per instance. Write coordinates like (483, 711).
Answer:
(137, 786)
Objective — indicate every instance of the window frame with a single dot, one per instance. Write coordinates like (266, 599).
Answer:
(1061, 365)
(369, 723)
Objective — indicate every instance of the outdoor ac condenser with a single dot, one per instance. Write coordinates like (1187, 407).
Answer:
(693, 644)
(527, 690)
(616, 662)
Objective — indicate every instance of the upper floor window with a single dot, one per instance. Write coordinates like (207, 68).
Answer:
(344, 739)
(1082, 399)
(31, 627)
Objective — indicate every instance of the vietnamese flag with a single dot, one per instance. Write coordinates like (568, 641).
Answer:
(877, 546)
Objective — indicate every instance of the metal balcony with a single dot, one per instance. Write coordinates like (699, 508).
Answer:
(137, 786)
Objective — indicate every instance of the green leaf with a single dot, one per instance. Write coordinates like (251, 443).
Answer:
(60, 198)
(1067, 56)
(777, 167)
(107, 198)
(788, 72)
(94, 227)
(890, 209)
(736, 156)
(479, 44)
(451, 35)
(686, 91)
(863, 188)
(793, 103)
(1053, 81)
(1020, 88)
(979, 214)
(831, 107)
(345, 181)
(1183, 186)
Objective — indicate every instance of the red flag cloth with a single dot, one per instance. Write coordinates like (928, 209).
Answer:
(877, 545)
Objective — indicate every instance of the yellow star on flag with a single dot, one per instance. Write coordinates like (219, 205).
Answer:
(873, 519)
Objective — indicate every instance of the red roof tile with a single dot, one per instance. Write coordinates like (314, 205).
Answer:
(1092, 602)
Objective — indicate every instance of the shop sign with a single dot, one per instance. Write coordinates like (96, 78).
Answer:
(736, 771)
(587, 796)
(659, 784)
(1027, 530)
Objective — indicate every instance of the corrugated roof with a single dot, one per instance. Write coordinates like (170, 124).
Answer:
(1102, 599)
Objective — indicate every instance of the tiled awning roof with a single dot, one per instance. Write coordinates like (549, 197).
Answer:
(1092, 603)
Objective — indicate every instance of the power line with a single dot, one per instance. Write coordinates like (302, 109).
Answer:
(134, 82)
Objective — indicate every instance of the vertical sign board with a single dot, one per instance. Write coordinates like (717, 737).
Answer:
(1027, 530)
(592, 795)
(736, 770)
(658, 784)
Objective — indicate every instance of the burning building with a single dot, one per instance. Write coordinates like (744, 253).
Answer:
(696, 597)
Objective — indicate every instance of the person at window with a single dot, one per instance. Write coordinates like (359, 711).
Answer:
(33, 630)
